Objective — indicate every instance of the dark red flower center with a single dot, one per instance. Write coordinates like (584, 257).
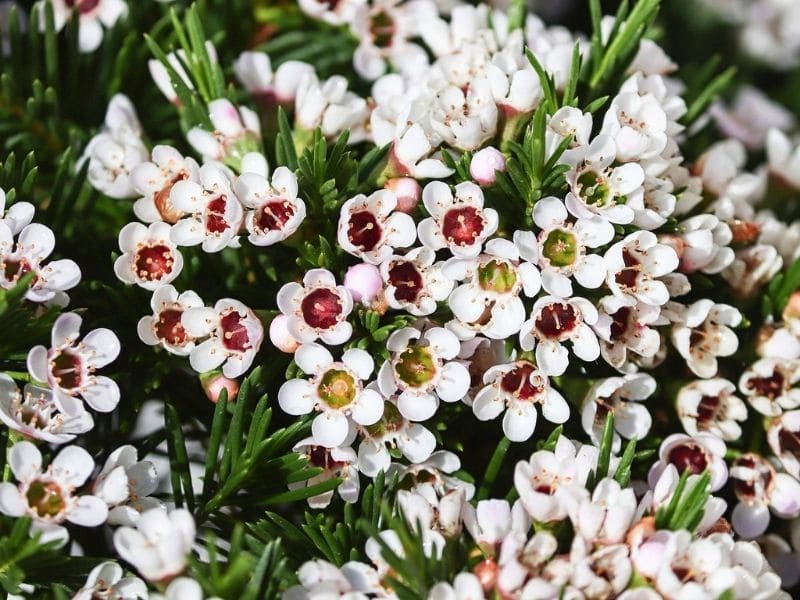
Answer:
(689, 455)
(382, 28)
(627, 277)
(556, 321)
(321, 308)
(462, 225)
(319, 456)
(363, 230)
(407, 281)
(771, 387)
(14, 269)
(708, 410)
(215, 215)
(169, 327)
(66, 368)
(234, 333)
(789, 442)
(84, 6)
(273, 216)
(759, 481)
(620, 322)
(154, 262)
(520, 384)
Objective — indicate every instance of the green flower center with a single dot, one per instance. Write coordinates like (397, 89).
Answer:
(561, 248)
(415, 366)
(497, 276)
(337, 388)
(391, 421)
(596, 192)
(46, 498)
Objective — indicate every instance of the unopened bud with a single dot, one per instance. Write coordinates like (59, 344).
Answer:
(407, 191)
(485, 164)
(364, 282)
(214, 382)
(280, 337)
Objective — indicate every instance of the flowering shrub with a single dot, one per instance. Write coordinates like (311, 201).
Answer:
(396, 299)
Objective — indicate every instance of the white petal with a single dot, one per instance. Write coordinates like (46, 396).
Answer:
(74, 465)
(520, 421)
(296, 397)
(312, 358)
(25, 460)
(368, 409)
(88, 511)
(330, 429)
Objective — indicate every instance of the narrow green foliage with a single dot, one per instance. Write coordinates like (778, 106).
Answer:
(780, 289)
(493, 468)
(705, 88)
(606, 446)
(623, 472)
(685, 508)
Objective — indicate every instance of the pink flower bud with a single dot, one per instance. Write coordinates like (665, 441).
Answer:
(280, 336)
(408, 192)
(364, 282)
(484, 165)
(214, 382)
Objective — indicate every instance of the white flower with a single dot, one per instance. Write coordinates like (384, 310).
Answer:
(490, 521)
(488, 302)
(154, 180)
(235, 335)
(163, 79)
(331, 107)
(459, 223)
(370, 228)
(352, 581)
(697, 453)
(93, 15)
(759, 488)
(340, 13)
(254, 71)
(769, 385)
(335, 390)
(414, 283)
(116, 150)
(339, 462)
(18, 215)
(710, 405)
(622, 397)
(554, 321)
(783, 157)
(568, 121)
(214, 212)
(48, 496)
(543, 481)
(624, 330)
(124, 484)
(410, 153)
(317, 309)
(605, 517)
(751, 118)
(274, 210)
(34, 244)
(106, 582)
(68, 366)
(424, 507)
(703, 335)
(560, 247)
(465, 119)
(598, 188)
(35, 414)
(236, 131)
(164, 327)
(149, 259)
(634, 265)
(182, 588)
(519, 387)
(783, 435)
(159, 545)
(702, 244)
(637, 123)
(414, 441)
(422, 368)
(437, 471)
(466, 586)
(753, 268)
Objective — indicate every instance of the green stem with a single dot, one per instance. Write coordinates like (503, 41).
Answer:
(493, 468)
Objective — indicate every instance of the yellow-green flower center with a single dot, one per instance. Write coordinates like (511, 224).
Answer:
(595, 190)
(337, 388)
(390, 422)
(46, 498)
(497, 276)
(415, 366)
(561, 248)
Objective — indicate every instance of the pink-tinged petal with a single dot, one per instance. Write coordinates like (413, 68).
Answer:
(330, 429)
(103, 395)
(785, 496)
(359, 362)
(368, 408)
(552, 358)
(519, 421)
(25, 460)
(417, 406)
(296, 397)
(66, 330)
(73, 465)
(37, 363)
(454, 382)
(103, 346)
(207, 356)
(289, 297)
(750, 521)
(313, 358)
(88, 511)
(12, 502)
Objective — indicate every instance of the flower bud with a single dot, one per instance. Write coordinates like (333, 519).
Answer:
(407, 191)
(364, 282)
(280, 337)
(214, 382)
(485, 164)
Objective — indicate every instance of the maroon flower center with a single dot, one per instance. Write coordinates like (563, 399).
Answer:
(363, 230)
(407, 281)
(273, 216)
(462, 225)
(215, 215)
(382, 28)
(321, 308)
(627, 277)
(771, 387)
(689, 455)
(163, 203)
(14, 269)
(66, 369)
(234, 333)
(758, 482)
(154, 262)
(169, 327)
(708, 410)
(789, 442)
(520, 384)
(620, 322)
(319, 456)
(84, 6)
(556, 321)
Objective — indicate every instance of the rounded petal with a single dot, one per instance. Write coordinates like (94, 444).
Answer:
(330, 429)
(88, 511)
